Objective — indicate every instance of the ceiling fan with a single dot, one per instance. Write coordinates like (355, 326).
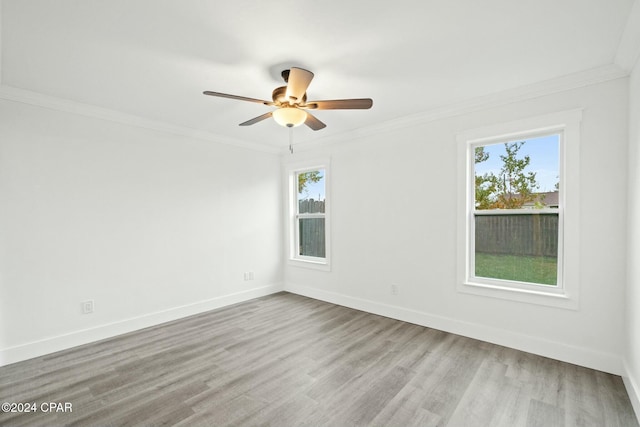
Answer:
(292, 107)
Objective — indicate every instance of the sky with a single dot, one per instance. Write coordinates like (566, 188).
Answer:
(314, 190)
(544, 153)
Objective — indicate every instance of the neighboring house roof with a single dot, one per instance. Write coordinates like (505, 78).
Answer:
(548, 199)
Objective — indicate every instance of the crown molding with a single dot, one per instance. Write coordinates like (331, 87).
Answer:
(58, 104)
(629, 47)
(522, 93)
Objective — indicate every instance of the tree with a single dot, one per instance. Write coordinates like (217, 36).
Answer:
(512, 187)
(515, 186)
(485, 185)
(306, 178)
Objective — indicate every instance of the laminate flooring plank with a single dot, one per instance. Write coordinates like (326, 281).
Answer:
(405, 409)
(582, 404)
(510, 405)
(287, 360)
(612, 394)
(542, 414)
(326, 346)
(28, 419)
(271, 358)
(390, 357)
(292, 380)
(352, 364)
(137, 409)
(296, 410)
(364, 408)
(230, 412)
(520, 365)
(445, 376)
(548, 380)
(240, 382)
(360, 350)
(482, 397)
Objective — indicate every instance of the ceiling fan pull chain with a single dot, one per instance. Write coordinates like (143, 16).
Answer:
(290, 138)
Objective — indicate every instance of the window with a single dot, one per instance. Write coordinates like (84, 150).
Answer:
(515, 222)
(518, 212)
(309, 215)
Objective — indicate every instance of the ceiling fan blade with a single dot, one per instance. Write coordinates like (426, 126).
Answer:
(297, 84)
(240, 98)
(257, 119)
(313, 122)
(340, 104)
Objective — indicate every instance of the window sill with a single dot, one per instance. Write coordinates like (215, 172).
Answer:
(538, 297)
(310, 264)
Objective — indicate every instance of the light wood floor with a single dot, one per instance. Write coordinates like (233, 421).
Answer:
(287, 360)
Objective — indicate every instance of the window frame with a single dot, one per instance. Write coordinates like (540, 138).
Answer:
(565, 293)
(293, 234)
(558, 287)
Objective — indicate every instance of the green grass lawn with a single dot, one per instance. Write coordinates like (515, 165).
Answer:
(542, 270)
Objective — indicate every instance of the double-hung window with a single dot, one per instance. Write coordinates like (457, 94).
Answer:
(518, 219)
(309, 222)
(515, 222)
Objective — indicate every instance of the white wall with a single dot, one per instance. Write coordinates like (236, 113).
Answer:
(632, 355)
(394, 222)
(151, 226)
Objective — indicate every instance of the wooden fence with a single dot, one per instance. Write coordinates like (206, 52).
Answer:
(310, 206)
(311, 230)
(312, 240)
(518, 234)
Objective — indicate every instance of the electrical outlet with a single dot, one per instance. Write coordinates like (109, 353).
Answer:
(87, 306)
(394, 289)
(248, 275)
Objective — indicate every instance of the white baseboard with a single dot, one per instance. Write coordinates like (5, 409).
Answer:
(605, 362)
(75, 338)
(633, 388)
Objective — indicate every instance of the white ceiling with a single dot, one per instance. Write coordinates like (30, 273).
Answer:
(153, 58)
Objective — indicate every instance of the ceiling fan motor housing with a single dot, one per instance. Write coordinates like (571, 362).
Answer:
(279, 96)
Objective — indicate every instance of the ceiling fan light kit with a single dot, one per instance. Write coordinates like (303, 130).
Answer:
(289, 116)
(291, 102)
